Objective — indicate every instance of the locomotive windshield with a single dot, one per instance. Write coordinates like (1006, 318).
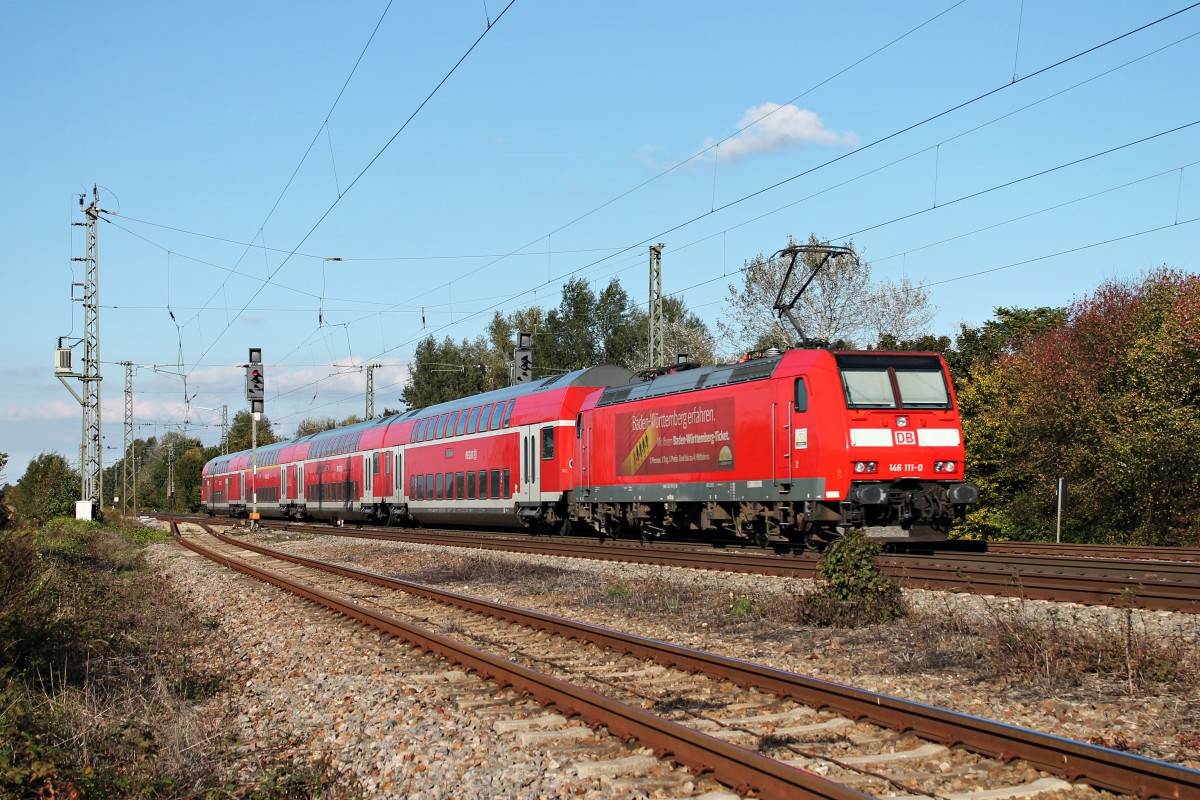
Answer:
(892, 381)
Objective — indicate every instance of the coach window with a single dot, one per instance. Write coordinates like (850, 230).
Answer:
(449, 485)
(455, 426)
(473, 419)
(547, 443)
(427, 494)
(470, 485)
(495, 485)
(461, 427)
(505, 486)
(440, 490)
(801, 396)
(440, 426)
(497, 413)
(484, 415)
(483, 494)
(508, 409)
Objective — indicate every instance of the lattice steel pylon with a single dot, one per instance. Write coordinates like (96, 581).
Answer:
(371, 389)
(658, 351)
(92, 484)
(128, 450)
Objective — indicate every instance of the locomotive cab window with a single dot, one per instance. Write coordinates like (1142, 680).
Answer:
(801, 403)
(922, 388)
(893, 381)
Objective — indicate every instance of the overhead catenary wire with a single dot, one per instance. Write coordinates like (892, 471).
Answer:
(569, 273)
(912, 126)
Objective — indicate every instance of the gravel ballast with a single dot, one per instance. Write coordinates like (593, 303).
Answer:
(390, 722)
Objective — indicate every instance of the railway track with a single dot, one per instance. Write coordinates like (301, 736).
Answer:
(1086, 551)
(754, 728)
(1164, 586)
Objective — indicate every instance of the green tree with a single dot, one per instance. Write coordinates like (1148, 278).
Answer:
(49, 488)
(1008, 333)
(1110, 399)
(315, 425)
(240, 432)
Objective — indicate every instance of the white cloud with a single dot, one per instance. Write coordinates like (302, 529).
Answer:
(771, 127)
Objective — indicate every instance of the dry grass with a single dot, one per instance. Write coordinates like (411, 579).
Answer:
(103, 676)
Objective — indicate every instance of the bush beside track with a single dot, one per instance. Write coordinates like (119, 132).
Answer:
(97, 679)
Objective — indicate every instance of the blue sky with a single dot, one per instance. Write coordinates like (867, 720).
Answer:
(541, 158)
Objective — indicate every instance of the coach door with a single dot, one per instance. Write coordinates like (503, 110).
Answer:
(529, 493)
(398, 487)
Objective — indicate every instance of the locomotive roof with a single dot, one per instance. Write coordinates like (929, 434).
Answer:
(691, 379)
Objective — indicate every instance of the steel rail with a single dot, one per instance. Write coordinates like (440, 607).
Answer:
(1074, 550)
(1075, 761)
(958, 573)
(744, 770)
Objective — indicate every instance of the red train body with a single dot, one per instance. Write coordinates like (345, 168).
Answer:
(795, 446)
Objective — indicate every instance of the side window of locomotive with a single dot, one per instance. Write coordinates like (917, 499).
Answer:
(497, 413)
(508, 411)
(868, 388)
(801, 396)
(922, 388)
(547, 443)
(578, 426)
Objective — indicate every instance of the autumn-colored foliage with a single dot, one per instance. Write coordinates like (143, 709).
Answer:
(1109, 398)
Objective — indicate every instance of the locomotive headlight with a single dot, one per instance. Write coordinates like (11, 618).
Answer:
(860, 466)
(872, 466)
(901, 422)
(950, 466)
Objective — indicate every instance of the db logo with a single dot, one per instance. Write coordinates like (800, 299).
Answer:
(905, 437)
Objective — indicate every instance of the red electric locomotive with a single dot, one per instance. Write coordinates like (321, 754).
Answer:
(794, 446)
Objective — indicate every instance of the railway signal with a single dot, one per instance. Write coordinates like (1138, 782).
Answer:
(255, 381)
(523, 359)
